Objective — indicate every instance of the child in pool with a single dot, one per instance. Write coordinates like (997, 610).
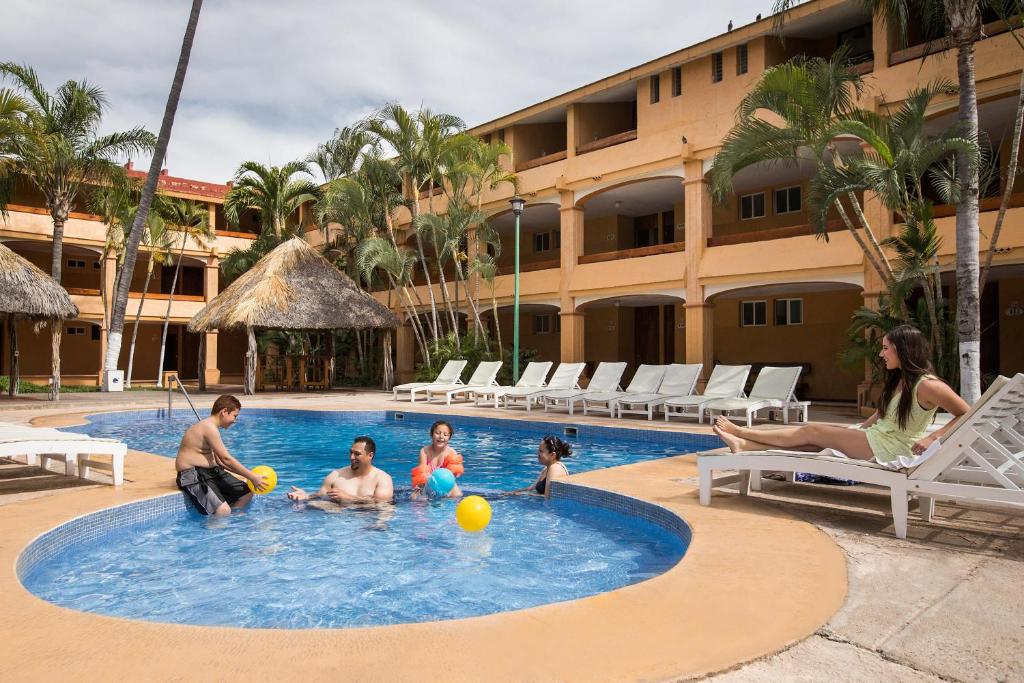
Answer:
(433, 455)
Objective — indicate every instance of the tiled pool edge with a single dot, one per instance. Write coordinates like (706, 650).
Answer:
(90, 526)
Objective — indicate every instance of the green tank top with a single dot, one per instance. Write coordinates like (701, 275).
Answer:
(886, 438)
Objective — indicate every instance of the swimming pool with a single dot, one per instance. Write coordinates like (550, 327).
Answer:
(285, 565)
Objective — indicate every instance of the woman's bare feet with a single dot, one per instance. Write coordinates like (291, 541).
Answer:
(734, 442)
(726, 425)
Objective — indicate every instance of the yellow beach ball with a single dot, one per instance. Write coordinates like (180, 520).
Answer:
(473, 513)
(269, 478)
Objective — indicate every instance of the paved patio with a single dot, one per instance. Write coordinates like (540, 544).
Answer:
(945, 604)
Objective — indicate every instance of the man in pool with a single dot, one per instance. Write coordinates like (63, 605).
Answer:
(203, 463)
(358, 483)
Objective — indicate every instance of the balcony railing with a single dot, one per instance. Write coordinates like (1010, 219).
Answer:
(929, 48)
(987, 204)
(541, 161)
(667, 248)
(773, 234)
(87, 291)
(611, 140)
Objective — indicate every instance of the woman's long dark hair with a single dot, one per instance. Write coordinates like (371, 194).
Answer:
(914, 352)
(560, 448)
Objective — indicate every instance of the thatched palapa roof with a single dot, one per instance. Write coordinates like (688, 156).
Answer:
(293, 288)
(27, 291)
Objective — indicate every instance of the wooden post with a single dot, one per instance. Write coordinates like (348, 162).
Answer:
(249, 387)
(12, 330)
(202, 361)
(55, 332)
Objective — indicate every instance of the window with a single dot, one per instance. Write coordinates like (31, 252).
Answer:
(541, 241)
(716, 67)
(76, 331)
(487, 139)
(95, 329)
(501, 135)
(545, 324)
(96, 265)
(752, 206)
(857, 41)
(558, 238)
(787, 200)
(754, 313)
(789, 311)
(741, 60)
(76, 263)
(655, 89)
(677, 81)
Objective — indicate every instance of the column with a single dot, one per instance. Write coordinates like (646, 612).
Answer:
(571, 225)
(405, 350)
(212, 217)
(211, 285)
(698, 314)
(882, 41)
(571, 137)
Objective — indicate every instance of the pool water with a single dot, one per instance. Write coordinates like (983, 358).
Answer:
(289, 565)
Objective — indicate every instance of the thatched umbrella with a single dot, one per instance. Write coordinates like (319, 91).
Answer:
(292, 288)
(28, 292)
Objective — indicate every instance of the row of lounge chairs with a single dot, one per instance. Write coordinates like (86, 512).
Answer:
(669, 387)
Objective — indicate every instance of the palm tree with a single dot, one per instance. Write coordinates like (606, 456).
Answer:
(809, 96)
(192, 220)
(376, 253)
(118, 205)
(962, 20)
(120, 304)
(13, 109)
(339, 156)
(485, 266)
(400, 129)
(58, 150)
(273, 192)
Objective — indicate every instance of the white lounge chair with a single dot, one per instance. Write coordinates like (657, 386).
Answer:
(680, 380)
(483, 377)
(450, 374)
(726, 381)
(40, 445)
(646, 380)
(533, 378)
(606, 378)
(773, 388)
(981, 459)
(566, 376)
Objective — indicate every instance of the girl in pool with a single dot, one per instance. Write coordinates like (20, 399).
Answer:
(549, 453)
(910, 396)
(434, 454)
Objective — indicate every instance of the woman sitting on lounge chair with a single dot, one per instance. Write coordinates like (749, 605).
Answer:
(900, 431)
(549, 453)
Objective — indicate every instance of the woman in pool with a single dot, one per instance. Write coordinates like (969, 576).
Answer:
(433, 455)
(911, 394)
(549, 453)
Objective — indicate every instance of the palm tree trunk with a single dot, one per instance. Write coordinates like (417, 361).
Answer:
(435, 322)
(388, 374)
(138, 317)
(879, 252)
(15, 376)
(497, 325)
(968, 309)
(167, 315)
(860, 240)
(59, 216)
(249, 384)
(149, 190)
(1011, 176)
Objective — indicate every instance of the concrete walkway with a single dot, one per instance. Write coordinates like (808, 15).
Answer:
(944, 605)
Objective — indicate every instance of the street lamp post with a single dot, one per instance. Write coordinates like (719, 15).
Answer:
(517, 203)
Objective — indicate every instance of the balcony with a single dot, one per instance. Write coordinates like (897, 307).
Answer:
(541, 161)
(924, 49)
(654, 250)
(608, 141)
(773, 234)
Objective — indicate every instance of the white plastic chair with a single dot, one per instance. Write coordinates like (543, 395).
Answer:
(606, 378)
(773, 388)
(679, 380)
(450, 374)
(647, 379)
(533, 378)
(725, 381)
(484, 376)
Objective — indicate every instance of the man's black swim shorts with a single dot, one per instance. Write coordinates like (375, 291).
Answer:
(210, 487)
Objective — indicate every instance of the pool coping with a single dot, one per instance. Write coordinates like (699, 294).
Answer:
(752, 582)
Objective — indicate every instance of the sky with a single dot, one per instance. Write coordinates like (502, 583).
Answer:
(268, 81)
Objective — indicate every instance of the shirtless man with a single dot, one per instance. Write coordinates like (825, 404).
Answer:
(203, 463)
(360, 482)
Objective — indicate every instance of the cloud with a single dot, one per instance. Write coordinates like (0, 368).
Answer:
(269, 80)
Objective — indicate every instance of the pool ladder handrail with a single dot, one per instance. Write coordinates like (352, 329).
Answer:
(171, 381)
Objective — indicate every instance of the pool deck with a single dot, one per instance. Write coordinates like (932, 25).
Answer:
(765, 581)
